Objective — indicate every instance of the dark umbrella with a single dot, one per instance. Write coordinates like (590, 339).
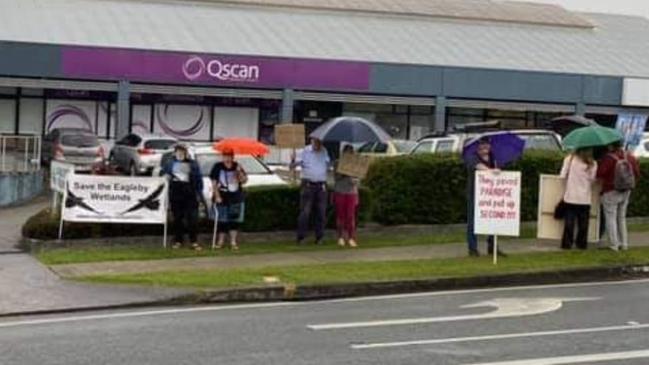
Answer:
(565, 124)
(351, 130)
(506, 147)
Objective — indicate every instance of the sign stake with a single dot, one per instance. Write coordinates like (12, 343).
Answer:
(495, 250)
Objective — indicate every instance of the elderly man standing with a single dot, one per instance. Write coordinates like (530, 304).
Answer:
(314, 161)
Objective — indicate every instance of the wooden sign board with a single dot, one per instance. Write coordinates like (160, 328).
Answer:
(551, 191)
(354, 165)
(290, 135)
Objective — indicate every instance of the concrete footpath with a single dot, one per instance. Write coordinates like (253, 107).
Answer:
(453, 250)
(28, 286)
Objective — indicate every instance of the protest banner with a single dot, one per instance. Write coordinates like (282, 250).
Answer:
(354, 165)
(632, 127)
(497, 205)
(290, 136)
(551, 191)
(110, 199)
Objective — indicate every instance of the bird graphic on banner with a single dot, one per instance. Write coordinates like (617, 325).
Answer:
(151, 202)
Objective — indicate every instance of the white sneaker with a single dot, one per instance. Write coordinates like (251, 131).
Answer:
(624, 248)
(614, 248)
(341, 242)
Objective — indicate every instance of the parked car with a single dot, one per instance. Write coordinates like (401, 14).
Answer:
(77, 146)
(139, 154)
(258, 173)
(534, 140)
(392, 148)
(643, 148)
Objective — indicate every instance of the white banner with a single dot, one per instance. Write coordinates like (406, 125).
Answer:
(58, 173)
(497, 203)
(111, 199)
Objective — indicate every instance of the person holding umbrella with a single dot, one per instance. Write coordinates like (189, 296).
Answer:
(579, 169)
(619, 172)
(314, 161)
(487, 153)
(228, 178)
(186, 185)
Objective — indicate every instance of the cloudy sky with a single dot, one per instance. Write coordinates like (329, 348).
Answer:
(633, 7)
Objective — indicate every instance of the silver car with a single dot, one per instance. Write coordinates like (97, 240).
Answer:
(76, 146)
(139, 154)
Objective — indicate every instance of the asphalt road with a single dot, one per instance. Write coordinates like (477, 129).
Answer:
(603, 323)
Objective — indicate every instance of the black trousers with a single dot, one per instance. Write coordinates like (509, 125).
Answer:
(185, 211)
(579, 215)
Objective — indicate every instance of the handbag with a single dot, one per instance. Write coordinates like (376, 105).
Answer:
(562, 206)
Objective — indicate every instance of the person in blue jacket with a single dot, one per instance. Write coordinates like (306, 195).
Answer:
(185, 189)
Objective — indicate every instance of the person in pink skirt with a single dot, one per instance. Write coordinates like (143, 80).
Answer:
(346, 202)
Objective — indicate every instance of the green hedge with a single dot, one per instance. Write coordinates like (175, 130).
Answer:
(267, 209)
(431, 189)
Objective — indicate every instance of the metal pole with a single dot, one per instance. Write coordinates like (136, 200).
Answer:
(495, 250)
(4, 151)
(216, 225)
(26, 161)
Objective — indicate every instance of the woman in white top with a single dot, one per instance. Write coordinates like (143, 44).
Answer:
(580, 169)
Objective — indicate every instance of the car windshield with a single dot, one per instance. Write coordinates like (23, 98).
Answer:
(250, 165)
(540, 142)
(80, 140)
(159, 144)
(404, 146)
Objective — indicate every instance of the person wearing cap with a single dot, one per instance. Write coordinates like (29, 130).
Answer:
(228, 178)
(314, 161)
(185, 187)
(482, 161)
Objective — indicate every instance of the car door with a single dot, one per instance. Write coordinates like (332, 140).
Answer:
(423, 147)
(446, 145)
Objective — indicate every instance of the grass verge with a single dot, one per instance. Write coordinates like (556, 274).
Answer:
(382, 271)
(75, 255)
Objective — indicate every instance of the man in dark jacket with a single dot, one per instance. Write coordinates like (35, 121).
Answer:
(614, 200)
(185, 187)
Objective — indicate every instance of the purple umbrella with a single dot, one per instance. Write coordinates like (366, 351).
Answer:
(506, 147)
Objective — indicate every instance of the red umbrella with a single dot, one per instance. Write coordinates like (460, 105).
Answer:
(242, 146)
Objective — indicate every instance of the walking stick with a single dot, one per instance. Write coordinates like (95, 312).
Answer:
(216, 225)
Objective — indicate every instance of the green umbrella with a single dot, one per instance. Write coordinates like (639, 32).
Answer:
(591, 136)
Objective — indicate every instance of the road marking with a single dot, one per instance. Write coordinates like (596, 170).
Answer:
(441, 341)
(504, 308)
(143, 314)
(577, 359)
(486, 290)
(288, 304)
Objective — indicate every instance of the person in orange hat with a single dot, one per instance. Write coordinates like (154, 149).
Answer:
(228, 178)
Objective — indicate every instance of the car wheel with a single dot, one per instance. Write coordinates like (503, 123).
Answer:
(132, 170)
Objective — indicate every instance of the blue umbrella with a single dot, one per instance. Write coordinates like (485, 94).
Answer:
(351, 130)
(506, 147)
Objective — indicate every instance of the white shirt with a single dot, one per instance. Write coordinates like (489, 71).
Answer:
(315, 165)
(579, 186)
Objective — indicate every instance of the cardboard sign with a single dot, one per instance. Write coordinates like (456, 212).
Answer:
(497, 209)
(290, 136)
(59, 172)
(110, 199)
(551, 191)
(354, 165)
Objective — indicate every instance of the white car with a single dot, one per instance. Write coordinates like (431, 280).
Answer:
(643, 148)
(258, 173)
(534, 140)
(139, 154)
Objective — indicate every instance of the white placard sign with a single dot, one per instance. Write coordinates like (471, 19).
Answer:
(58, 173)
(111, 199)
(497, 209)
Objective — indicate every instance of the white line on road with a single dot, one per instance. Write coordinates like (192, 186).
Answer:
(577, 359)
(498, 337)
(288, 304)
(142, 314)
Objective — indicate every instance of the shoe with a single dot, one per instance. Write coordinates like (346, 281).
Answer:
(197, 247)
(624, 248)
(177, 245)
(352, 243)
(614, 248)
(341, 242)
(234, 247)
(474, 253)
